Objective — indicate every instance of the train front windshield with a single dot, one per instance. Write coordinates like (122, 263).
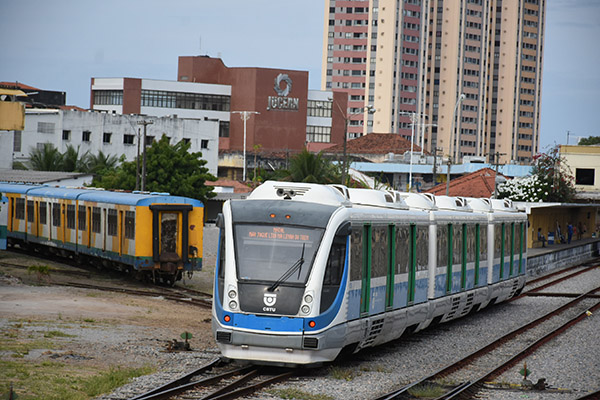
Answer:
(269, 253)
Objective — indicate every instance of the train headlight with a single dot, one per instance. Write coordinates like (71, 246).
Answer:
(233, 304)
(305, 309)
(308, 298)
(232, 294)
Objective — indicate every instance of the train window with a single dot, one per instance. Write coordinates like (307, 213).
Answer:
(129, 224)
(422, 248)
(379, 256)
(403, 249)
(442, 245)
(81, 218)
(483, 242)
(30, 211)
(112, 222)
(20, 209)
(221, 265)
(56, 214)
(43, 213)
(333, 272)
(471, 243)
(457, 244)
(356, 256)
(497, 241)
(71, 216)
(507, 239)
(265, 252)
(96, 220)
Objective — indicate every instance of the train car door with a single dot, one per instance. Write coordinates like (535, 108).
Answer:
(170, 233)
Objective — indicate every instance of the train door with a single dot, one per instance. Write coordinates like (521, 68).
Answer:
(391, 268)
(412, 266)
(170, 235)
(121, 232)
(89, 226)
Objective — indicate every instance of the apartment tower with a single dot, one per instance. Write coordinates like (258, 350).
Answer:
(463, 76)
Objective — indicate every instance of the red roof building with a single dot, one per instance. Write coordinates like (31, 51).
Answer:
(476, 184)
(375, 146)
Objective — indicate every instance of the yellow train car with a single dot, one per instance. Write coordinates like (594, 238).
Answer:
(152, 234)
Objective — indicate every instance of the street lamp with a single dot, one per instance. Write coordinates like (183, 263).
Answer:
(347, 116)
(245, 115)
(451, 155)
(413, 119)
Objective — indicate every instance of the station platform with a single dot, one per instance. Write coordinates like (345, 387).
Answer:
(545, 259)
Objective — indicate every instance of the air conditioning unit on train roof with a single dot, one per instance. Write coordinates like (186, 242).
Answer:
(294, 191)
(452, 203)
(422, 201)
(377, 198)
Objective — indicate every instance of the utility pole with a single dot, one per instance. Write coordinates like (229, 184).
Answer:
(137, 163)
(145, 123)
(435, 153)
(496, 161)
(245, 115)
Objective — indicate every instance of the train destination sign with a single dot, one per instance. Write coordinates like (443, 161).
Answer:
(277, 233)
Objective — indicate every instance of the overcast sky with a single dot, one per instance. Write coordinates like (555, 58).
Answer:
(61, 44)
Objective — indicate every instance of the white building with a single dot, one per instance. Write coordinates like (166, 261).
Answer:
(113, 134)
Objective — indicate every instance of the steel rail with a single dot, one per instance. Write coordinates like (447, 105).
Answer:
(487, 348)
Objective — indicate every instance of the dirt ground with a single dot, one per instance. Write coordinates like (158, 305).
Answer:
(95, 330)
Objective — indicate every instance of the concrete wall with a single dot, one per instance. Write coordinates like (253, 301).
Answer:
(544, 263)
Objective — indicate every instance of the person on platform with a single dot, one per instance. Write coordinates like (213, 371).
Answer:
(541, 237)
(569, 233)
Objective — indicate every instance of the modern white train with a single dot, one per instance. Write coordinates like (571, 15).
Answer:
(305, 271)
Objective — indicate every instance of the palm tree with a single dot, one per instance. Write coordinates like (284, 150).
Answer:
(71, 160)
(46, 158)
(313, 168)
(101, 162)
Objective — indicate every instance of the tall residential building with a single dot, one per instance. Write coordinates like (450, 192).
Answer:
(463, 76)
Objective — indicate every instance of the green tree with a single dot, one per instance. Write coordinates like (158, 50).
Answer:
(71, 161)
(588, 141)
(313, 168)
(47, 158)
(170, 168)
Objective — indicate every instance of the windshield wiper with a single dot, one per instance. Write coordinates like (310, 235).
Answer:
(297, 266)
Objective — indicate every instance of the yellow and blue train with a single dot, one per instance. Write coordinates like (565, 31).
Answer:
(152, 235)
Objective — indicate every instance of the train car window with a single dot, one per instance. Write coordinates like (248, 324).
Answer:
(20, 209)
(442, 245)
(333, 272)
(30, 211)
(221, 266)
(497, 241)
(56, 214)
(96, 220)
(81, 218)
(483, 242)
(71, 216)
(111, 228)
(422, 248)
(471, 243)
(507, 240)
(356, 256)
(43, 213)
(403, 249)
(379, 248)
(129, 224)
(457, 244)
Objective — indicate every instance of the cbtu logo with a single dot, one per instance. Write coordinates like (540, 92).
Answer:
(270, 299)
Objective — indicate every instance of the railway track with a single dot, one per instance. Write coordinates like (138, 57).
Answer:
(218, 381)
(189, 296)
(479, 367)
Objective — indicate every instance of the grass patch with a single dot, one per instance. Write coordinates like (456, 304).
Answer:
(292, 393)
(42, 272)
(427, 390)
(346, 374)
(56, 380)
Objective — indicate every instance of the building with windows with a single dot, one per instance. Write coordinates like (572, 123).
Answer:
(271, 111)
(584, 164)
(466, 76)
(113, 134)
